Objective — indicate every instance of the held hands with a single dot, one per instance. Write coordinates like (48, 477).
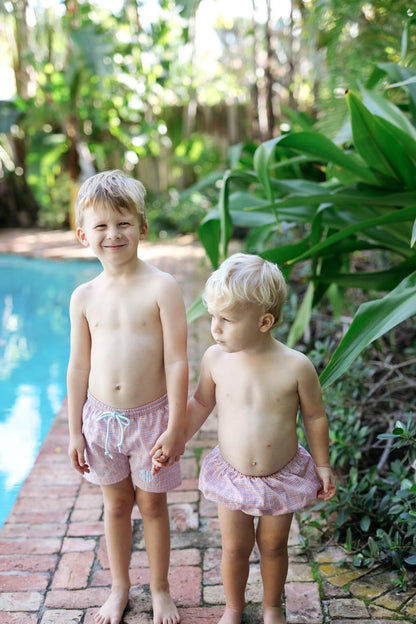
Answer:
(327, 477)
(76, 451)
(158, 461)
(167, 450)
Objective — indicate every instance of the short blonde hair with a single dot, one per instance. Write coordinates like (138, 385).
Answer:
(246, 278)
(114, 189)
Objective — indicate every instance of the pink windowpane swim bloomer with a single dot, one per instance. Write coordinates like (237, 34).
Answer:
(293, 487)
(119, 442)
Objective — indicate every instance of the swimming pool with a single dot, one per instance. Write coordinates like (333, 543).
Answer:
(34, 351)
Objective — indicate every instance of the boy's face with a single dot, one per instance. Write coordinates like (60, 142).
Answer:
(110, 233)
(239, 327)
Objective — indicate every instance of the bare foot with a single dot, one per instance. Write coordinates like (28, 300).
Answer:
(273, 615)
(231, 616)
(164, 609)
(112, 610)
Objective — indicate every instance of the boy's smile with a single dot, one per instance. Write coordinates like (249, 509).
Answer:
(109, 231)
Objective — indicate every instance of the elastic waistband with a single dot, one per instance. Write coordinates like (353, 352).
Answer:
(140, 411)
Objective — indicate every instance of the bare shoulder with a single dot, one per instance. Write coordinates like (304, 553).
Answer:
(84, 292)
(162, 281)
(210, 360)
(213, 354)
(297, 361)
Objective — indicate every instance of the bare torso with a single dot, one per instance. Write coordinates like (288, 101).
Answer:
(257, 406)
(127, 368)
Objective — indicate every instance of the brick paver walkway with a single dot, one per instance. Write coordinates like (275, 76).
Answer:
(53, 562)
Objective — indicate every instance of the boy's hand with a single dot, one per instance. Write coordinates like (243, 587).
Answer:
(172, 446)
(327, 477)
(76, 451)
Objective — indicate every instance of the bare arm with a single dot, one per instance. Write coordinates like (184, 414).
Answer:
(77, 380)
(173, 319)
(200, 405)
(202, 402)
(316, 425)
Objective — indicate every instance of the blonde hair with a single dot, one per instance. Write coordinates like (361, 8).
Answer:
(246, 278)
(114, 189)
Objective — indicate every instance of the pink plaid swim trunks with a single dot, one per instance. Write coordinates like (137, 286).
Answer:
(118, 443)
(288, 490)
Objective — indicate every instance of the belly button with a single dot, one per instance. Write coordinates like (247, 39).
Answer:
(254, 463)
(118, 387)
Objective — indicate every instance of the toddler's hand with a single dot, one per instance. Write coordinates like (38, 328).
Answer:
(327, 477)
(158, 461)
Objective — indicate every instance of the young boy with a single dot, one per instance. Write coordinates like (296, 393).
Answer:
(127, 384)
(258, 469)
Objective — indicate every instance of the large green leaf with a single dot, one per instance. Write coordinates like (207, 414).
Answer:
(316, 144)
(302, 318)
(378, 105)
(209, 235)
(401, 75)
(196, 310)
(372, 320)
(406, 214)
(369, 140)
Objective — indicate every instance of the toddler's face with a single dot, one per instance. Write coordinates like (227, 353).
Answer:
(238, 327)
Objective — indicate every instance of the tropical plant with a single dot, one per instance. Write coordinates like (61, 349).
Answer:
(340, 201)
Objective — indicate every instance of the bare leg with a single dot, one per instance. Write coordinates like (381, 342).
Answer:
(118, 505)
(272, 536)
(237, 532)
(154, 511)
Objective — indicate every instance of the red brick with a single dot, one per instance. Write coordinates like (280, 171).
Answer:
(185, 557)
(202, 615)
(17, 618)
(27, 504)
(190, 496)
(77, 544)
(185, 585)
(189, 468)
(86, 515)
(38, 517)
(102, 555)
(207, 508)
(187, 484)
(101, 578)
(73, 570)
(20, 601)
(88, 501)
(212, 566)
(28, 563)
(30, 547)
(62, 616)
(23, 582)
(81, 529)
(43, 473)
(15, 531)
(303, 603)
(183, 517)
(76, 598)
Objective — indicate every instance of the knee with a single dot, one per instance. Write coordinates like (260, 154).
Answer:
(236, 550)
(118, 507)
(273, 549)
(153, 506)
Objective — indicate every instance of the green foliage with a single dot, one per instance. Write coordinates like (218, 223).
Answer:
(374, 513)
(340, 201)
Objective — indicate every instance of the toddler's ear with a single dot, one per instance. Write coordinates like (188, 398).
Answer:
(266, 322)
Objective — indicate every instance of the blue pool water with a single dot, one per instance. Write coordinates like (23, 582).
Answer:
(34, 350)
